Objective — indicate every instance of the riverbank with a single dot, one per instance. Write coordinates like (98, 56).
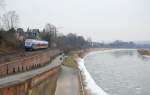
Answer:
(144, 52)
(89, 85)
(84, 52)
(75, 60)
(72, 77)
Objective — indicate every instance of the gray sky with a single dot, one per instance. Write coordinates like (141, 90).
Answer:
(102, 20)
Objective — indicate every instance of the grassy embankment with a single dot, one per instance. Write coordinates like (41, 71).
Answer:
(70, 61)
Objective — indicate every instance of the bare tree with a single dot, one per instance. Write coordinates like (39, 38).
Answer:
(1, 7)
(10, 20)
(50, 30)
(48, 27)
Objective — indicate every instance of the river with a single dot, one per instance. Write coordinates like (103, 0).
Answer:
(120, 72)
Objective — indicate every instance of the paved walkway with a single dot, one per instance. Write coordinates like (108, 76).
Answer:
(14, 79)
(68, 83)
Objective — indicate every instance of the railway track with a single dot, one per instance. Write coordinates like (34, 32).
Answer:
(19, 54)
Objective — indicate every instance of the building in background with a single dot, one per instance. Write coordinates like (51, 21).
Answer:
(32, 34)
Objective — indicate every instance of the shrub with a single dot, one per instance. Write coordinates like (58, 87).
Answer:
(8, 39)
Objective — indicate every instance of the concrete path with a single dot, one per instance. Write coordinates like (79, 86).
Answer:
(68, 83)
(14, 79)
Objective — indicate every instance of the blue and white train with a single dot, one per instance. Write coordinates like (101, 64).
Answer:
(31, 44)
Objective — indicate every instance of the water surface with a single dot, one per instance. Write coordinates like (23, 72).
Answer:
(122, 72)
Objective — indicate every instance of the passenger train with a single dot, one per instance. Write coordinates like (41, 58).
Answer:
(31, 44)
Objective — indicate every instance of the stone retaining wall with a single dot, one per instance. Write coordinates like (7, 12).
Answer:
(42, 84)
(27, 63)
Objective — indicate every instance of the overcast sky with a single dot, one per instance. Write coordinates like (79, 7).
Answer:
(102, 20)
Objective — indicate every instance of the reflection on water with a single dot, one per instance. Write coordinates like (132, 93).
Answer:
(123, 53)
(123, 72)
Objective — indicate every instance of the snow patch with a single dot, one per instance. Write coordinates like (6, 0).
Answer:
(89, 81)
